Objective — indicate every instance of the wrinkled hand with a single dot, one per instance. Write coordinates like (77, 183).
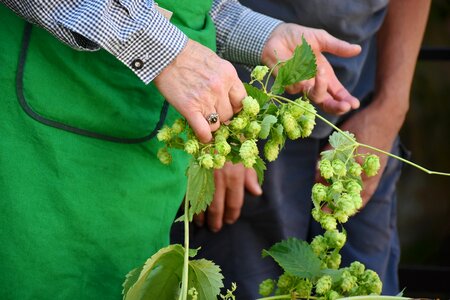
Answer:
(228, 199)
(198, 83)
(371, 127)
(325, 89)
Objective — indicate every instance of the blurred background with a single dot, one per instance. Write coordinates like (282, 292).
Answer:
(424, 200)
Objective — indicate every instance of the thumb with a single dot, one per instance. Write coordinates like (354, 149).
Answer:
(336, 46)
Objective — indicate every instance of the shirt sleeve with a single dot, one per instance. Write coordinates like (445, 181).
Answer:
(131, 30)
(241, 32)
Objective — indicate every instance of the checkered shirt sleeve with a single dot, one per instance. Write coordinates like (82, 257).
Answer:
(241, 32)
(139, 36)
(131, 30)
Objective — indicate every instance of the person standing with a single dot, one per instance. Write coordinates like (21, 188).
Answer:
(389, 34)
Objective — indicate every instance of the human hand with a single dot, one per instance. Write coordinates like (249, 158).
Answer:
(231, 182)
(198, 83)
(325, 89)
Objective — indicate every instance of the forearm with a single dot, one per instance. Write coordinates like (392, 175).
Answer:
(241, 32)
(399, 41)
(129, 30)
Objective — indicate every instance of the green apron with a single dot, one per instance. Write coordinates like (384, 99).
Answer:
(83, 198)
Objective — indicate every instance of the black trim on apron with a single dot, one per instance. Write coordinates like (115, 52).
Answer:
(41, 119)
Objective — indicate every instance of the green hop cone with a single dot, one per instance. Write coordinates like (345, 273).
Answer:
(345, 204)
(259, 72)
(326, 170)
(206, 161)
(288, 121)
(295, 133)
(355, 169)
(271, 150)
(253, 129)
(191, 146)
(285, 281)
(357, 201)
(336, 187)
(266, 287)
(339, 168)
(353, 187)
(371, 281)
(319, 245)
(323, 285)
(334, 260)
(328, 222)
(219, 161)
(238, 123)
(319, 193)
(222, 133)
(222, 147)
(304, 288)
(335, 239)
(250, 106)
(164, 156)
(317, 213)
(356, 268)
(332, 295)
(248, 150)
(341, 216)
(371, 165)
(178, 126)
(348, 281)
(307, 126)
(249, 162)
(165, 134)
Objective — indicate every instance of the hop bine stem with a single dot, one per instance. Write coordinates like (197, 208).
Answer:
(184, 282)
(282, 99)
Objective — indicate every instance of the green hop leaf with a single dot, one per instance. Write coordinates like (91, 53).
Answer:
(266, 125)
(301, 66)
(295, 257)
(256, 93)
(200, 189)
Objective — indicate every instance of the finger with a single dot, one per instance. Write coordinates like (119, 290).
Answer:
(216, 208)
(331, 106)
(225, 111)
(301, 86)
(343, 95)
(336, 46)
(236, 94)
(251, 182)
(199, 219)
(318, 93)
(234, 193)
(200, 126)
